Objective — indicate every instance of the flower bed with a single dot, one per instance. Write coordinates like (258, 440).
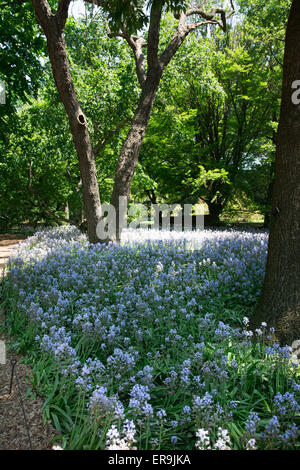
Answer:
(146, 345)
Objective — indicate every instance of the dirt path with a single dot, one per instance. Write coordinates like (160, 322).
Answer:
(8, 243)
(13, 429)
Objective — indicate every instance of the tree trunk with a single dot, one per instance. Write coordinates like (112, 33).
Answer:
(279, 302)
(267, 214)
(131, 148)
(67, 211)
(149, 82)
(53, 26)
(215, 210)
(267, 219)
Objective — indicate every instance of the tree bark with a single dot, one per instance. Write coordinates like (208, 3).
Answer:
(215, 210)
(279, 303)
(131, 148)
(53, 27)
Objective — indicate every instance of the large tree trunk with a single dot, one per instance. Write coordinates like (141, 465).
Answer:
(215, 210)
(279, 303)
(53, 26)
(131, 148)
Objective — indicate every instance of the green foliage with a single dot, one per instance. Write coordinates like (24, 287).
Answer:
(21, 47)
(39, 151)
(133, 13)
(204, 176)
(212, 130)
(216, 110)
(37, 158)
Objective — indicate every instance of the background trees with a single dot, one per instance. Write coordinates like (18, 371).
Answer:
(21, 46)
(42, 140)
(211, 135)
(216, 112)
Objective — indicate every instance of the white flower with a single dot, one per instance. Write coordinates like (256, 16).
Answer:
(223, 440)
(248, 333)
(251, 445)
(113, 433)
(204, 441)
(221, 445)
(159, 267)
(116, 442)
(202, 434)
(223, 434)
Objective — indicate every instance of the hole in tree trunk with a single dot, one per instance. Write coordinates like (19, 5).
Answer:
(81, 119)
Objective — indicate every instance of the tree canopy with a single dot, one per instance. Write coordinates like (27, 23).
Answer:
(212, 132)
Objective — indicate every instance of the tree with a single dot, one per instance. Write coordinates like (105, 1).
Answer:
(39, 142)
(53, 25)
(35, 166)
(213, 112)
(20, 51)
(279, 303)
(105, 81)
(149, 71)
(20, 67)
(20, 72)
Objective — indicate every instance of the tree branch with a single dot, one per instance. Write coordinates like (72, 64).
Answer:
(139, 57)
(43, 12)
(211, 15)
(175, 42)
(45, 15)
(208, 16)
(153, 35)
(101, 145)
(136, 43)
(183, 29)
(62, 12)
